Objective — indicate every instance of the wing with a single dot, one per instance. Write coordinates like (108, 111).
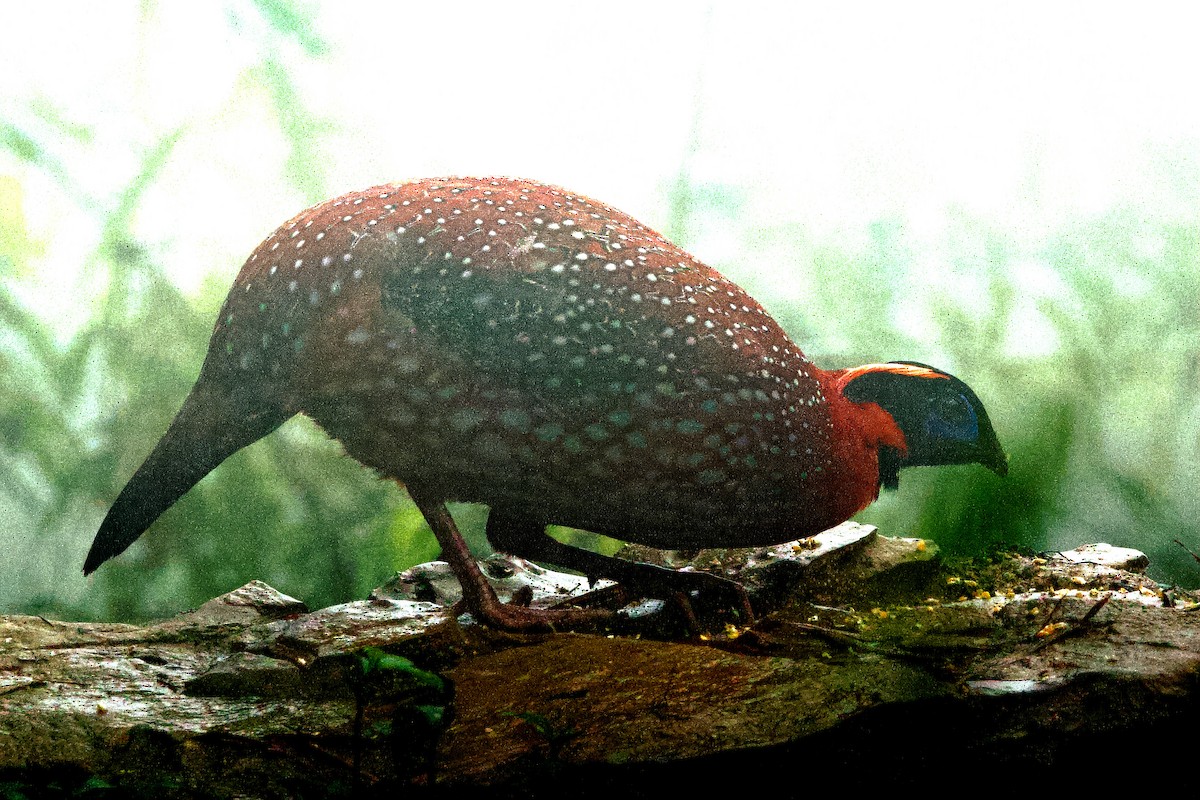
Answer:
(571, 311)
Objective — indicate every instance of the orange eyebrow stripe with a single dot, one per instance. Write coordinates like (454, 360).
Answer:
(909, 370)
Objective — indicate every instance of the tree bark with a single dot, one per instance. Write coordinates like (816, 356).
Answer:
(871, 661)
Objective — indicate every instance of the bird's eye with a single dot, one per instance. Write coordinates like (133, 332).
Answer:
(953, 410)
(951, 416)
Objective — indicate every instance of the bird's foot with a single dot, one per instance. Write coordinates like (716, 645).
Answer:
(712, 589)
(683, 589)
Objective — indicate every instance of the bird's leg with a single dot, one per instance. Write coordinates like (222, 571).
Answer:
(478, 595)
(519, 536)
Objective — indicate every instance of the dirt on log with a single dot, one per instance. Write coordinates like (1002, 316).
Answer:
(871, 663)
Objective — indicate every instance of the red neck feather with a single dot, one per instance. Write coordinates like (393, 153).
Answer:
(859, 430)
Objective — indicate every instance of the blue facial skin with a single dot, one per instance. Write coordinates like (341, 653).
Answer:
(954, 420)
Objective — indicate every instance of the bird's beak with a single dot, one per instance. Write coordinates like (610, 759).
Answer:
(994, 458)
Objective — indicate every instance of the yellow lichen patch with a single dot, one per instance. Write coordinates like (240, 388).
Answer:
(1051, 629)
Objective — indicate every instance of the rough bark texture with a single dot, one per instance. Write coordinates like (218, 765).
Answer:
(872, 663)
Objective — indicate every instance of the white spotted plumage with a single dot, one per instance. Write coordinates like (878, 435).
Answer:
(545, 353)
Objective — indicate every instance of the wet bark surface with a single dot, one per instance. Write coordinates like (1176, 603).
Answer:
(871, 662)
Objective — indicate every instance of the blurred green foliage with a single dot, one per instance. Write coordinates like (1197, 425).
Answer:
(80, 417)
(1102, 426)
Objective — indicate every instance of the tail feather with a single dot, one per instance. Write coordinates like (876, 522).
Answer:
(211, 426)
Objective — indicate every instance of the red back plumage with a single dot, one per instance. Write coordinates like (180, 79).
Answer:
(519, 345)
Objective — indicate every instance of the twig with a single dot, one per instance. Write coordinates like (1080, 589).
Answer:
(831, 634)
(1190, 550)
(22, 686)
(1075, 629)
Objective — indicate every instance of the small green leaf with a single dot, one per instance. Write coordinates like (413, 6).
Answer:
(433, 714)
(373, 658)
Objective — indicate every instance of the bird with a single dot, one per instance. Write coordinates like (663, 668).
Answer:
(512, 343)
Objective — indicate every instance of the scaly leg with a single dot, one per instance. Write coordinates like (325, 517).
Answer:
(478, 596)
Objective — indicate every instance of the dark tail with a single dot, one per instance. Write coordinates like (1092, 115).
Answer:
(212, 425)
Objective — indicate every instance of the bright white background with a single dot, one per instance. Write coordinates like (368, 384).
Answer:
(833, 116)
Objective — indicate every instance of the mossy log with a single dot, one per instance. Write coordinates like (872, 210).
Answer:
(871, 660)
